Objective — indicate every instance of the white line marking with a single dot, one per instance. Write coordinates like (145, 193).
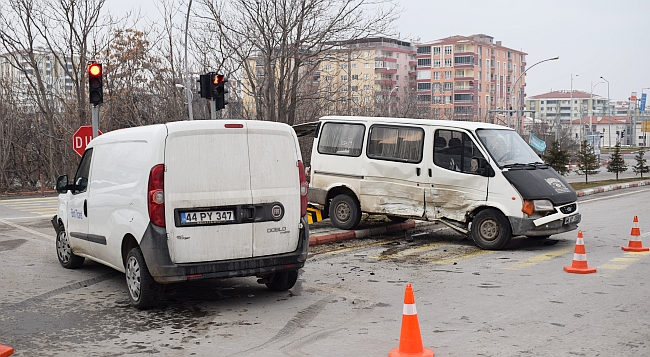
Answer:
(28, 230)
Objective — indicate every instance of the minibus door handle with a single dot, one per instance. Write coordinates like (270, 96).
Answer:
(417, 171)
(430, 174)
(85, 208)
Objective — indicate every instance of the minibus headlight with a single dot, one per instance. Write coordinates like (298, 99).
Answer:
(531, 206)
(543, 205)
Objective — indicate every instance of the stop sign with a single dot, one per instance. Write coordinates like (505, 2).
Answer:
(82, 137)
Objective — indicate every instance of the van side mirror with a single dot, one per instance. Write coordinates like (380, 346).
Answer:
(482, 167)
(62, 184)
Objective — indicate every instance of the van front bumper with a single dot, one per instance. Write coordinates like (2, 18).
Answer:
(164, 271)
(528, 227)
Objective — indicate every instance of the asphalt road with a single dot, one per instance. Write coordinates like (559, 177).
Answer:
(349, 298)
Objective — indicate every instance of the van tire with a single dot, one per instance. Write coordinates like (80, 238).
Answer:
(283, 280)
(491, 230)
(345, 212)
(144, 291)
(67, 258)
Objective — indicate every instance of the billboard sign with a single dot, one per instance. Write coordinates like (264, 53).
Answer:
(643, 96)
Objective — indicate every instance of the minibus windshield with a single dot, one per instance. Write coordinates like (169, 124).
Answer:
(508, 149)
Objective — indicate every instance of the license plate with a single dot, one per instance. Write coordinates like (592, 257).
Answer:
(572, 219)
(207, 217)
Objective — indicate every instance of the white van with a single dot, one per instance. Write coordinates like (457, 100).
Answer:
(187, 200)
(480, 179)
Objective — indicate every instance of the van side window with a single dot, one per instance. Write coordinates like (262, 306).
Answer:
(454, 150)
(83, 171)
(396, 143)
(341, 139)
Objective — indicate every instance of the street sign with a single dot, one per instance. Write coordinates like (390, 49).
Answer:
(82, 137)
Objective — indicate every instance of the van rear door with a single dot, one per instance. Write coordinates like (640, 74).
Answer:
(207, 191)
(275, 186)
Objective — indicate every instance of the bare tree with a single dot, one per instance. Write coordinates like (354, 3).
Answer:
(279, 44)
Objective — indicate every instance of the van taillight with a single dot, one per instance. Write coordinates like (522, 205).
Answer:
(303, 188)
(156, 195)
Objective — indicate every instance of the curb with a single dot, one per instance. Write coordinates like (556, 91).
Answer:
(361, 233)
(602, 189)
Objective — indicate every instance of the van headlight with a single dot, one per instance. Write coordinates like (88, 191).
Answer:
(531, 206)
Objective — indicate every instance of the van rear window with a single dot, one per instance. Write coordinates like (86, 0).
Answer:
(341, 139)
(396, 143)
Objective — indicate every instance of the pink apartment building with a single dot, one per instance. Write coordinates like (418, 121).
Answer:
(470, 78)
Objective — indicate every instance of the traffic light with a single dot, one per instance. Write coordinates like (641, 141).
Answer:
(219, 90)
(95, 90)
(623, 134)
(206, 87)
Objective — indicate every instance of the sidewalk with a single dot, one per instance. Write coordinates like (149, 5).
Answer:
(328, 234)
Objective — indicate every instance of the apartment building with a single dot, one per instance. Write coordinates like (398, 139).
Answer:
(370, 76)
(471, 78)
(54, 75)
(566, 106)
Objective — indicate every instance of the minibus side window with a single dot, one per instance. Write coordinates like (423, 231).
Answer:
(395, 143)
(341, 139)
(453, 150)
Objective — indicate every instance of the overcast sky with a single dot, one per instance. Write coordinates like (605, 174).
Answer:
(593, 38)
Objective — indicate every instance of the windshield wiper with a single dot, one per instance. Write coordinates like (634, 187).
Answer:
(528, 166)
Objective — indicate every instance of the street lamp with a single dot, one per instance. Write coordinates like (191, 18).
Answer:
(515, 84)
(609, 111)
(390, 98)
(190, 95)
(591, 105)
(570, 110)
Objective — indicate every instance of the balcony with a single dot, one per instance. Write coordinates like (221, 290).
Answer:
(464, 89)
(385, 70)
(413, 63)
(386, 81)
(384, 58)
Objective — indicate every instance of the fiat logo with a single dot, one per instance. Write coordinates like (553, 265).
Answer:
(276, 211)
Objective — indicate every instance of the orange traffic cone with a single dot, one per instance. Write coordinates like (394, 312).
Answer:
(410, 340)
(635, 244)
(6, 351)
(579, 264)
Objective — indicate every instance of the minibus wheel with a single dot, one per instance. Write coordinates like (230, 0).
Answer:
(67, 258)
(491, 230)
(345, 212)
(144, 291)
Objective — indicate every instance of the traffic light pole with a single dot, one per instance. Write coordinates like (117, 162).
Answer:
(95, 120)
(213, 109)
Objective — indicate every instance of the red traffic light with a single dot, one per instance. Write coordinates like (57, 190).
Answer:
(219, 78)
(95, 69)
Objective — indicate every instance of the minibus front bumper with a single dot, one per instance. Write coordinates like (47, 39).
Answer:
(164, 271)
(545, 226)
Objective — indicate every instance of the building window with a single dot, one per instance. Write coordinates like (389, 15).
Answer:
(437, 99)
(366, 76)
(447, 50)
(355, 66)
(436, 50)
(463, 98)
(448, 112)
(426, 74)
(436, 112)
(464, 60)
(424, 50)
(424, 98)
(366, 87)
(424, 62)
(435, 87)
(366, 65)
(344, 66)
(424, 86)
(479, 87)
(355, 88)
(436, 75)
(355, 77)
(436, 63)
(447, 62)
(448, 86)
(447, 74)
(448, 99)
(344, 77)
(328, 67)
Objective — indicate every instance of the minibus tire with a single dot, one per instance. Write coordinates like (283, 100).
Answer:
(283, 280)
(491, 230)
(345, 212)
(144, 291)
(67, 259)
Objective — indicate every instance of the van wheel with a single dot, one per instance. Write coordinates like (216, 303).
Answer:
(144, 292)
(283, 281)
(345, 212)
(66, 257)
(491, 230)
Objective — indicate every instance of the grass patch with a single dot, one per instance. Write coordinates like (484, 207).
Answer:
(591, 184)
